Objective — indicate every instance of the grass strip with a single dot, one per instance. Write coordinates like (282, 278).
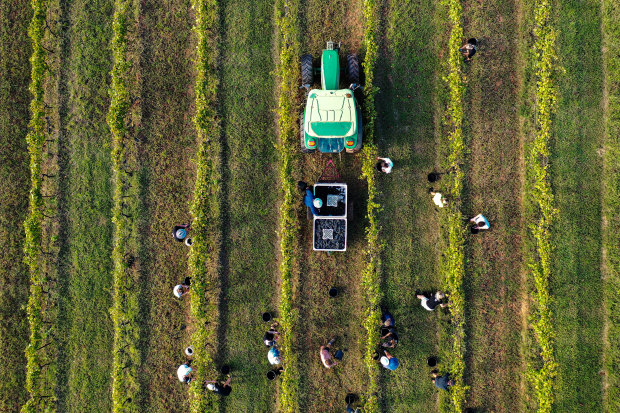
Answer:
(126, 357)
(453, 256)
(371, 280)
(15, 98)
(611, 201)
(206, 225)
(41, 374)
(287, 25)
(539, 198)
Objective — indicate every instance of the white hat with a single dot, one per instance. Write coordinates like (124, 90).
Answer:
(183, 371)
(178, 291)
(211, 386)
(318, 202)
(385, 361)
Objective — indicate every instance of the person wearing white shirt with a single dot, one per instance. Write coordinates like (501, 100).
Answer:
(184, 372)
(385, 165)
(479, 222)
(438, 198)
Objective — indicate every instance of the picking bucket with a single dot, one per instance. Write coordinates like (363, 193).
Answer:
(267, 317)
(431, 361)
(333, 292)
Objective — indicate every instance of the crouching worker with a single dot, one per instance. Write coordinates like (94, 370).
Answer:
(179, 232)
(442, 382)
(182, 289)
(223, 389)
(308, 197)
(185, 372)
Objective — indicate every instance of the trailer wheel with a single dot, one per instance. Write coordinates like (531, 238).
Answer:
(353, 69)
(302, 135)
(307, 72)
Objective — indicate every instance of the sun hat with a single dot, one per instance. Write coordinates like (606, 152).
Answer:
(385, 361)
(211, 386)
(273, 356)
(181, 233)
(389, 363)
(178, 291)
(318, 202)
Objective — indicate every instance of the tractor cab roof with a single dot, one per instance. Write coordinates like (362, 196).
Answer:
(331, 113)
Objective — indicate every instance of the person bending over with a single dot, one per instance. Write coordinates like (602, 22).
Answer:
(430, 303)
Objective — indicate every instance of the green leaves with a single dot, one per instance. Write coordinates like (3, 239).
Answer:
(126, 356)
(453, 257)
(41, 355)
(287, 24)
(539, 194)
(206, 225)
(371, 281)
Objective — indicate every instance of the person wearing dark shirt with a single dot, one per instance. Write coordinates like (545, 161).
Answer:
(391, 339)
(223, 389)
(442, 382)
(429, 303)
(387, 319)
(469, 49)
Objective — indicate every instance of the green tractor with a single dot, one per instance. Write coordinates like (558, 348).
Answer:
(332, 120)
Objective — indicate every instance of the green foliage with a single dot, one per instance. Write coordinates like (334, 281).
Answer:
(371, 280)
(611, 201)
(40, 355)
(539, 194)
(453, 257)
(15, 98)
(287, 24)
(206, 225)
(126, 357)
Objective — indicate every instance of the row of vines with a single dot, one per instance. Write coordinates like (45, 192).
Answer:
(453, 256)
(542, 368)
(611, 200)
(205, 251)
(41, 225)
(287, 24)
(126, 357)
(371, 280)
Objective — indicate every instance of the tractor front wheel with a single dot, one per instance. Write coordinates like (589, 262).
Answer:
(353, 69)
(307, 71)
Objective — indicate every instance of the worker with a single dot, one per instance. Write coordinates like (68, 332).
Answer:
(309, 197)
(273, 355)
(430, 303)
(271, 336)
(223, 389)
(182, 289)
(442, 382)
(479, 222)
(385, 165)
(326, 356)
(389, 361)
(387, 319)
(438, 198)
(179, 232)
(469, 49)
(391, 339)
(184, 372)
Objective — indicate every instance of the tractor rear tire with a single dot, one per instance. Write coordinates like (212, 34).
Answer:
(353, 69)
(307, 71)
(302, 135)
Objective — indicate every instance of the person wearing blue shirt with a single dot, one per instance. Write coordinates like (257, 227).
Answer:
(309, 197)
(389, 361)
(442, 382)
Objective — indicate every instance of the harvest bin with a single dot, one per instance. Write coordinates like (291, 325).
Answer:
(330, 225)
